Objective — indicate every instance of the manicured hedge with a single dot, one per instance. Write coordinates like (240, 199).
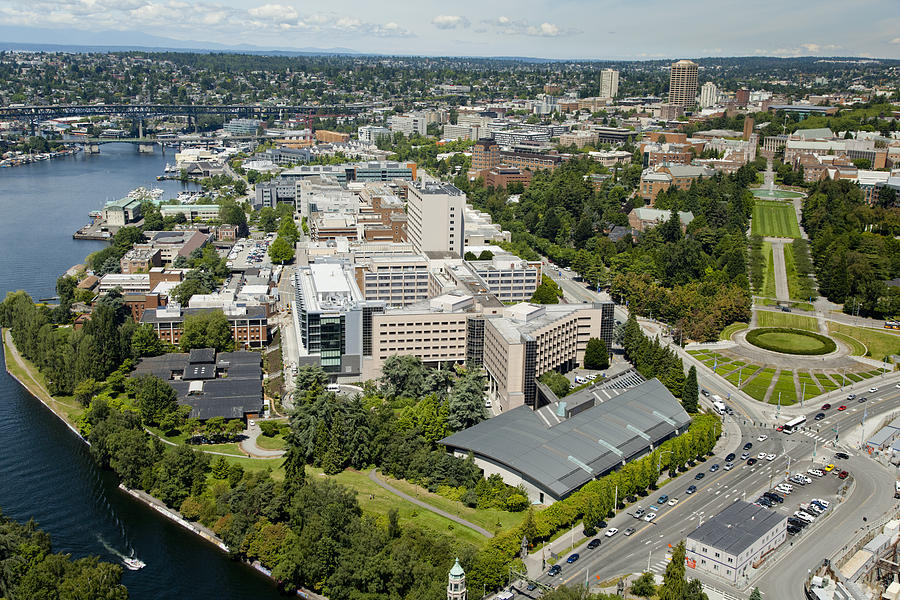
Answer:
(753, 338)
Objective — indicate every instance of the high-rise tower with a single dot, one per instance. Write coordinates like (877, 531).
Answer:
(683, 83)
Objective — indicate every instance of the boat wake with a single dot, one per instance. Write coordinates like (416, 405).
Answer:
(132, 563)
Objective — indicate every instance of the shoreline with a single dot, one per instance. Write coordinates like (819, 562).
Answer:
(140, 495)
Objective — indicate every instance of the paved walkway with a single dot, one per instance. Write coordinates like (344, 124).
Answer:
(249, 446)
(374, 477)
(781, 282)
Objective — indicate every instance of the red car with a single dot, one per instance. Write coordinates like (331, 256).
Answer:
(842, 407)
(779, 428)
(826, 406)
(843, 475)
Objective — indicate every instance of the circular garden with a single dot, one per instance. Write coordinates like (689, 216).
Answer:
(791, 341)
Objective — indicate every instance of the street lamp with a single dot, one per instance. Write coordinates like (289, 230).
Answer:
(659, 460)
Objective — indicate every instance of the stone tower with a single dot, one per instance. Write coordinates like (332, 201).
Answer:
(456, 583)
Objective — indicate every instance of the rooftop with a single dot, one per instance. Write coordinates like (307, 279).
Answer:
(737, 527)
(564, 456)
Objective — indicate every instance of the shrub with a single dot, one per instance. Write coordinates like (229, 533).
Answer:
(753, 337)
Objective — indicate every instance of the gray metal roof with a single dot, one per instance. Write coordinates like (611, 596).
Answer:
(737, 527)
(553, 457)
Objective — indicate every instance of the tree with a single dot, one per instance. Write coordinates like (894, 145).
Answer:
(155, 398)
(644, 585)
(180, 473)
(548, 292)
(402, 376)
(190, 287)
(267, 219)
(756, 594)
(466, 407)
(207, 330)
(85, 391)
(557, 383)
(281, 251)
(145, 342)
(595, 355)
(310, 381)
(288, 229)
(689, 394)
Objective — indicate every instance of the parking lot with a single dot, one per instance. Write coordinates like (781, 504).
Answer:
(249, 254)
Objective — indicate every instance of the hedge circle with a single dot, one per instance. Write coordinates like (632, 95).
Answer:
(791, 341)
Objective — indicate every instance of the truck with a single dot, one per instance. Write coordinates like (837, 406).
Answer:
(718, 404)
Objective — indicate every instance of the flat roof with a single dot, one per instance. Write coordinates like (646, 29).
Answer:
(737, 527)
(562, 457)
(329, 278)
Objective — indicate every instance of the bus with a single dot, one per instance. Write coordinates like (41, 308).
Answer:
(718, 404)
(892, 324)
(794, 424)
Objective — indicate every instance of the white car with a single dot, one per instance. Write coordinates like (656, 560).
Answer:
(649, 517)
(824, 503)
(761, 455)
(872, 390)
(762, 438)
(673, 502)
(784, 490)
(770, 457)
(611, 532)
(816, 472)
(252, 422)
(804, 516)
(728, 466)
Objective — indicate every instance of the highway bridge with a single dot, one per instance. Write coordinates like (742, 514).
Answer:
(142, 111)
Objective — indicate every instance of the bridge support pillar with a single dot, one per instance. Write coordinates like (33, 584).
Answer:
(141, 128)
(145, 148)
(92, 148)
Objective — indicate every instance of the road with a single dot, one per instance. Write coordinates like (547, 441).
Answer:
(650, 542)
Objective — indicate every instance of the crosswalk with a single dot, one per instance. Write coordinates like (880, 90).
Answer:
(816, 436)
(659, 567)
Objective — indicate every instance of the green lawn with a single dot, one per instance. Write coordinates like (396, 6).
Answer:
(759, 385)
(784, 386)
(271, 443)
(770, 318)
(769, 274)
(826, 384)
(878, 343)
(791, 343)
(812, 387)
(854, 377)
(775, 219)
(731, 330)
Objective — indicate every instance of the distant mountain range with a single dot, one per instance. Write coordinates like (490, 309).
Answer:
(18, 38)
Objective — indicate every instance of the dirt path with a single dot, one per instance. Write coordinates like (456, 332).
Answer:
(31, 383)
(374, 477)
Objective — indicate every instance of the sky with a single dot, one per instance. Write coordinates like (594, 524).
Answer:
(567, 29)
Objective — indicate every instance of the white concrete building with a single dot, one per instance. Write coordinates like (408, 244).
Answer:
(728, 544)
(408, 124)
(709, 95)
(436, 220)
(609, 83)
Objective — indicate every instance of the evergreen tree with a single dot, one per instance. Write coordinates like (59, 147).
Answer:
(596, 355)
(689, 394)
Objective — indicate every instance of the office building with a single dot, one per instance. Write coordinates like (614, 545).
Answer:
(642, 218)
(729, 544)
(683, 83)
(517, 136)
(528, 340)
(396, 280)
(370, 133)
(140, 260)
(409, 124)
(485, 155)
(508, 277)
(249, 323)
(191, 212)
(288, 156)
(554, 450)
(227, 384)
(242, 126)
(709, 95)
(609, 83)
(128, 283)
(119, 213)
(173, 244)
(333, 319)
(436, 221)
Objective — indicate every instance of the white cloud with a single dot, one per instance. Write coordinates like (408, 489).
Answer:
(274, 12)
(544, 30)
(896, 40)
(508, 26)
(450, 21)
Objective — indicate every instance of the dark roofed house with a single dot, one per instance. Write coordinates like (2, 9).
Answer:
(728, 544)
(554, 451)
(226, 385)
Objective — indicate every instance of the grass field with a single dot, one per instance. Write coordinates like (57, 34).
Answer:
(825, 383)
(769, 318)
(791, 343)
(785, 387)
(768, 288)
(270, 443)
(731, 330)
(775, 219)
(812, 388)
(759, 385)
(878, 343)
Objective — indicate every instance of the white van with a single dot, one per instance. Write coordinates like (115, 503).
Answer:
(333, 387)
(580, 380)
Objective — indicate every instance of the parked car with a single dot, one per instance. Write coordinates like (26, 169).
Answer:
(774, 497)
(691, 489)
(828, 468)
(762, 500)
(594, 543)
(611, 532)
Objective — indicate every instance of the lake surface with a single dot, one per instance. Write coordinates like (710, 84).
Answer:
(46, 473)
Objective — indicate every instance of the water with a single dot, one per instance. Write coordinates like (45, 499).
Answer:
(46, 473)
